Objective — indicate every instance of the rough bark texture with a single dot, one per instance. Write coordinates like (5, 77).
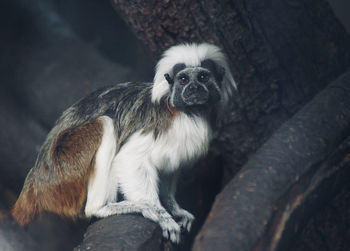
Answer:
(294, 172)
(329, 228)
(137, 233)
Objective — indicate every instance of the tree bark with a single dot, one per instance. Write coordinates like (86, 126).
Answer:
(136, 233)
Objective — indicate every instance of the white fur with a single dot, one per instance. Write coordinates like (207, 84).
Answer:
(136, 176)
(187, 139)
(99, 189)
(190, 55)
(136, 164)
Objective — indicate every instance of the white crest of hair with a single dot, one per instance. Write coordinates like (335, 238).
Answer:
(191, 54)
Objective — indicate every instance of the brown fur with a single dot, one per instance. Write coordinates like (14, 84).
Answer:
(26, 207)
(71, 194)
(173, 112)
(63, 185)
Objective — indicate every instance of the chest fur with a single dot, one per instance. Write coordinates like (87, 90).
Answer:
(184, 142)
(181, 144)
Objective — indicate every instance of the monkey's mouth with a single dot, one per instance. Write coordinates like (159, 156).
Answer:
(195, 94)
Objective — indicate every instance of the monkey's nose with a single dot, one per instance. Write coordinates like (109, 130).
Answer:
(196, 87)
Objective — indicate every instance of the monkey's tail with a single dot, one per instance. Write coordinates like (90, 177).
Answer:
(26, 207)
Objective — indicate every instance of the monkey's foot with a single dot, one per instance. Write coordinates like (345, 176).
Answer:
(184, 219)
(171, 230)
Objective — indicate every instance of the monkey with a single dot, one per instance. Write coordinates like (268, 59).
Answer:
(131, 139)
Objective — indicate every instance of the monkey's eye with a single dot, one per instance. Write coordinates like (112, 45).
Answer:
(183, 79)
(203, 77)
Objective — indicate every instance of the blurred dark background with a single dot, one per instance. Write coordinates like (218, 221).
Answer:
(54, 52)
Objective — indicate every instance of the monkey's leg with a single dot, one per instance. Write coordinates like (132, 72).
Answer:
(102, 187)
(167, 197)
(138, 181)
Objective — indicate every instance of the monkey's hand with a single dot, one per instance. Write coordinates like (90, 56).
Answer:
(184, 219)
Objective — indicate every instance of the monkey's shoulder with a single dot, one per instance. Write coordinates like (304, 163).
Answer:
(102, 99)
(105, 101)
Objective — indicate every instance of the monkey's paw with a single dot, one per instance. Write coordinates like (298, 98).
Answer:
(171, 230)
(184, 219)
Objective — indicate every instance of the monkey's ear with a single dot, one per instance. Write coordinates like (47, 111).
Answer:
(169, 79)
(217, 70)
(176, 68)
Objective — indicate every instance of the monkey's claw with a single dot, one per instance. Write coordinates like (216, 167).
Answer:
(185, 219)
(171, 230)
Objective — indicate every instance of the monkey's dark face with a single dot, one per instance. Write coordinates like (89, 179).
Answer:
(192, 86)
